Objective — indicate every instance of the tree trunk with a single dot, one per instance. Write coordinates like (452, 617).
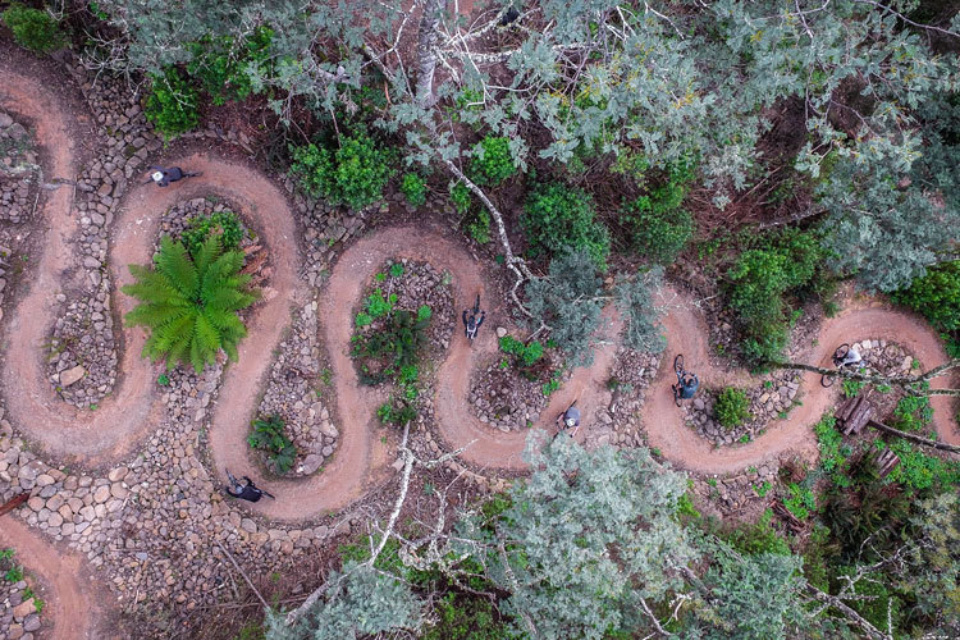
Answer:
(426, 52)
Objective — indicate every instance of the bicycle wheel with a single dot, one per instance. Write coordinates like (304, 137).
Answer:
(476, 305)
(678, 364)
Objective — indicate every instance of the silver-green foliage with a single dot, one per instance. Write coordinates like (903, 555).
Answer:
(567, 300)
(751, 597)
(586, 536)
(634, 297)
(360, 602)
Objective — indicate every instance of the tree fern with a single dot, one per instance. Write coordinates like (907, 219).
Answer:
(190, 302)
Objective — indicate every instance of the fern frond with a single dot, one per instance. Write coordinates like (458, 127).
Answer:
(174, 263)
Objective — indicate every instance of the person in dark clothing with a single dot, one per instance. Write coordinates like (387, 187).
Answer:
(245, 491)
(163, 177)
(471, 324)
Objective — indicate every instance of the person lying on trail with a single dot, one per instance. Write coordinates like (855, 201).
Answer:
(163, 177)
(852, 357)
(471, 324)
(246, 490)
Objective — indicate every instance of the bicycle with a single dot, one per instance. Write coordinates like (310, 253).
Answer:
(687, 383)
(838, 357)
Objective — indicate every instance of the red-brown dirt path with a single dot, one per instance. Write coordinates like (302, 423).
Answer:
(72, 608)
(68, 602)
(686, 333)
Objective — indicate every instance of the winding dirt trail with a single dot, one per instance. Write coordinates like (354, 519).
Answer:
(686, 333)
(359, 461)
(66, 600)
(70, 606)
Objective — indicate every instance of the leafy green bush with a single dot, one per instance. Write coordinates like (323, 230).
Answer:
(221, 63)
(526, 353)
(172, 103)
(761, 278)
(268, 435)
(461, 198)
(557, 218)
(189, 302)
(478, 227)
(396, 344)
(354, 174)
(397, 412)
(414, 188)
(492, 162)
(732, 408)
(466, 617)
(756, 538)
(936, 295)
(225, 224)
(658, 233)
(800, 501)
(379, 305)
(33, 29)
(833, 455)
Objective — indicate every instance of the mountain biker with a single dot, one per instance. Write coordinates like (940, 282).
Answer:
(471, 324)
(245, 491)
(686, 387)
(569, 419)
(163, 177)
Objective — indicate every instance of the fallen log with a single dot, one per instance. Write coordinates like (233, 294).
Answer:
(13, 503)
(912, 437)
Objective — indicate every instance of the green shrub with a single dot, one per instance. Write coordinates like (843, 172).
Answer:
(189, 303)
(659, 230)
(33, 29)
(478, 227)
(379, 305)
(172, 103)
(397, 412)
(268, 435)
(800, 502)
(221, 64)
(414, 188)
(757, 538)
(526, 353)
(225, 224)
(397, 344)
(732, 408)
(918, 471)
(461, 198)
(833, 454)
(557, 218)
(354, 174)
(936, 295)
(466, 617)
(492, 162)
(761, 278)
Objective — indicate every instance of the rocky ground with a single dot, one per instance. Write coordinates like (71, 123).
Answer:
(20, 607)
(413, 284)
(19, 189)
(509, 397)
(294, 394)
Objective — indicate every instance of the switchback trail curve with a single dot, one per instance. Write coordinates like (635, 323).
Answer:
(361, 456)
(68, 604)
(67, 601)
(685, 329)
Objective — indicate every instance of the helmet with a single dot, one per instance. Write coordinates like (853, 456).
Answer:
(570, 422)
(157, 176)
